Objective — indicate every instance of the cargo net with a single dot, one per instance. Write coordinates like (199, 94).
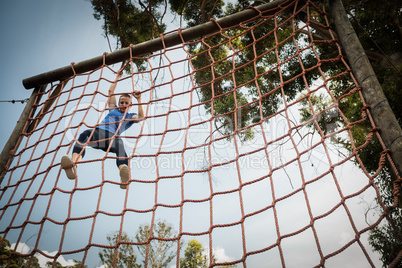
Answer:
(249, 155)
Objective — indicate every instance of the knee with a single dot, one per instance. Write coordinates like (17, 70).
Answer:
(118, 142)
(84, 136)
(82, 139)
(118, 146)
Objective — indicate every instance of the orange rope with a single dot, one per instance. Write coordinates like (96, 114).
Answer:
(35, 195)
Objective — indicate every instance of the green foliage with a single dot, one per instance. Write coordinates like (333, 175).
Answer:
(194, 256)
(376, 17)
(9, 258)
(49, 264)
(195, 12)
(268, 71)
(78, 264)
(130, 22)
(378, 28)
(267, 76)
(386, 240)
(121, 252)
(160, 252)
(4, 251)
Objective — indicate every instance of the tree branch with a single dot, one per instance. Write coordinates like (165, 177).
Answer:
(117, 15)
(323, 33)
(202, 9)
(147, 10)
(212, 10)
(395, 22)
(384, 60)
(106, 34)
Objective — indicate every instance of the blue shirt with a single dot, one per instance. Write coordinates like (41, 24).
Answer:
(115, 118)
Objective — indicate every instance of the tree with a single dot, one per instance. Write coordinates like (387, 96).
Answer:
(78, 264)
(386, 240)
(157, 249)
(120, 253)
(378, 26)
(379, 30)
(130, 22)
(194, 256)
(9, 258)
(195, 12)
(253, 92)
(49, 264)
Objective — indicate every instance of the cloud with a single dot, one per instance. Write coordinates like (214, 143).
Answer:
(24, 248)
(344, 238)
(43, 260)
(220, 255)
(21, 248)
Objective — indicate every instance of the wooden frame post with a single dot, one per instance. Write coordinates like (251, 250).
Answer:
(380, 110)
(6, 156)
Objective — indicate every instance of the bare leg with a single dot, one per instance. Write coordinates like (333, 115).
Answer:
(76, 158)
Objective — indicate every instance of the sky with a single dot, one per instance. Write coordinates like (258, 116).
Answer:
(42, 35)
(39, 36)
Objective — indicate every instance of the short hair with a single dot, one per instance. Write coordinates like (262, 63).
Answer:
(124, 95)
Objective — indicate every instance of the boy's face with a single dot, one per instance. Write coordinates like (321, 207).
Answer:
(124, 103)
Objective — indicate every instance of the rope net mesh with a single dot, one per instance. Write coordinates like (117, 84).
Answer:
(233, 152)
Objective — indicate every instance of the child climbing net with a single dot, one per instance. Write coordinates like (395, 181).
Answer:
(105, 136)
(237, 143)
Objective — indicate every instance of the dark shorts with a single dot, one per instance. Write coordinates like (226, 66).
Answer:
(102, 139)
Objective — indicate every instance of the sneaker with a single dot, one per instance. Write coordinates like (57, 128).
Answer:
(124, 176)
(68, 165)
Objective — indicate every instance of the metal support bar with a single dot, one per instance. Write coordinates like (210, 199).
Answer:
(151, 45)
(381, 112)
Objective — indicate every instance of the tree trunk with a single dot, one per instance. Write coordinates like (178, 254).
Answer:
(381, 112)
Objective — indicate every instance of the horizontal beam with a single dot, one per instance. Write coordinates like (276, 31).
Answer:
(150, 46)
